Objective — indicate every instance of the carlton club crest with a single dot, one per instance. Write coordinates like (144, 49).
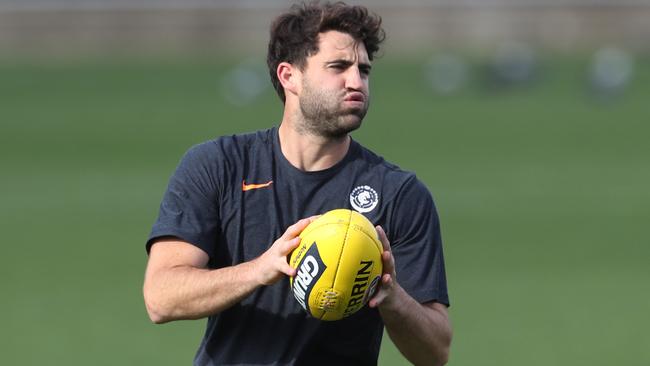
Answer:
(364, 199)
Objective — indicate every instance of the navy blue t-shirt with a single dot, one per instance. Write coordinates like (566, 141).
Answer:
(209, 205)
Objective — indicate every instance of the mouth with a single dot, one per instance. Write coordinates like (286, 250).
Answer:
(355, 97)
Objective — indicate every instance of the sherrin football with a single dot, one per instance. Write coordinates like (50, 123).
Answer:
(339, 265)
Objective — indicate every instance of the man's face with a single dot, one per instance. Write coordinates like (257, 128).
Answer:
(334, 95)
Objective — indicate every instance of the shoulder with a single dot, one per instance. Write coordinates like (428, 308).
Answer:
(228, 148)
(245, 140)
(232, 143)
(391, 174)
(214, 159)
(371, 158)
(396, 192)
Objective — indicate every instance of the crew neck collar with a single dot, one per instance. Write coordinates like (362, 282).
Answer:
(285, 164)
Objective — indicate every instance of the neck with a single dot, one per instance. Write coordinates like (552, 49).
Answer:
(308, 152)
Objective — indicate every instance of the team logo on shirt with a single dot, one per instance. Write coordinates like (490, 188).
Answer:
(364, 199)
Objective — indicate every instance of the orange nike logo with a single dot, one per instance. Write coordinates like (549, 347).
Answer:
(247, 187)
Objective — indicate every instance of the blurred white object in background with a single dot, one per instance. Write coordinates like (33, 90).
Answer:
(447, 73)
(244, 83)
(610, 71)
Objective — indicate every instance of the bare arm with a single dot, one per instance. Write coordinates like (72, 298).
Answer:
(421, 332)
(178, 284)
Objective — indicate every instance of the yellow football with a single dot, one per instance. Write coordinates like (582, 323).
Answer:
(339, 265)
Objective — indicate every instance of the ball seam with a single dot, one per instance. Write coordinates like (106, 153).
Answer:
(338, 263)
(376, 240)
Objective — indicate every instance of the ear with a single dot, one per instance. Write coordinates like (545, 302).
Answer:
(289, 76)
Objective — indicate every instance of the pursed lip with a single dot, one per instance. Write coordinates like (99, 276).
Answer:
(355, 97)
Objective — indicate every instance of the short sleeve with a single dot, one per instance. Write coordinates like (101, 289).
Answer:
(417, 245)
(189, 208)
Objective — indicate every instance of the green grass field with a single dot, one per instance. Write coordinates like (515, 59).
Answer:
(543, 192)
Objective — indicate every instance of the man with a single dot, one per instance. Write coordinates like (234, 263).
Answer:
(232, 213)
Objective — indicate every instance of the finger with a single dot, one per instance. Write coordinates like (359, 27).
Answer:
(295, 229)
(287, 269)
(313, 218)
(377, 299)
(382, 291)
(388, 262)
(287, 246)
(382, 237)
(386, 280)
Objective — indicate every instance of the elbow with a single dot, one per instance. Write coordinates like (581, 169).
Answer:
(156, 317)
(437, 355)
(440, 351)
(155, 309)
(444, 351)
(440, 359)
(443, 357)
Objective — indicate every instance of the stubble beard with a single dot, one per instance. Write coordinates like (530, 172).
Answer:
(324, 115)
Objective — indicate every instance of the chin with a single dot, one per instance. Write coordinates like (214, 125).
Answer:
(353, 125)
(353, 120)
(344, 127)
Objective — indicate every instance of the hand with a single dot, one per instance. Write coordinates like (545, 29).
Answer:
(273, 264)
(388, 284)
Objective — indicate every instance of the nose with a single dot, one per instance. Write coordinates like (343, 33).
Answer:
(354, 79)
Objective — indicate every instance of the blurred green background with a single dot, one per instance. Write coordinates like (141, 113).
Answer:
(541, 176)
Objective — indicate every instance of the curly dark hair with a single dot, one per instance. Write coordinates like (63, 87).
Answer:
(294, 34)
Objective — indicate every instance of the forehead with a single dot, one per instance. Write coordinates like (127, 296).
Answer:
(338, 45)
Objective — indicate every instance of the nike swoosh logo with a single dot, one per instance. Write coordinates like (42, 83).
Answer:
(247, 187)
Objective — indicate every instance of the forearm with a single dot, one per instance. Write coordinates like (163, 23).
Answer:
(186, 292)
(420, 332)
(178, 284)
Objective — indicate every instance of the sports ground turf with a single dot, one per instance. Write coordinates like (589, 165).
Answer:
(543, 192)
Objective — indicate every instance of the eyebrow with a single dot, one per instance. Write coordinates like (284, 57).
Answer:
(362, 65)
